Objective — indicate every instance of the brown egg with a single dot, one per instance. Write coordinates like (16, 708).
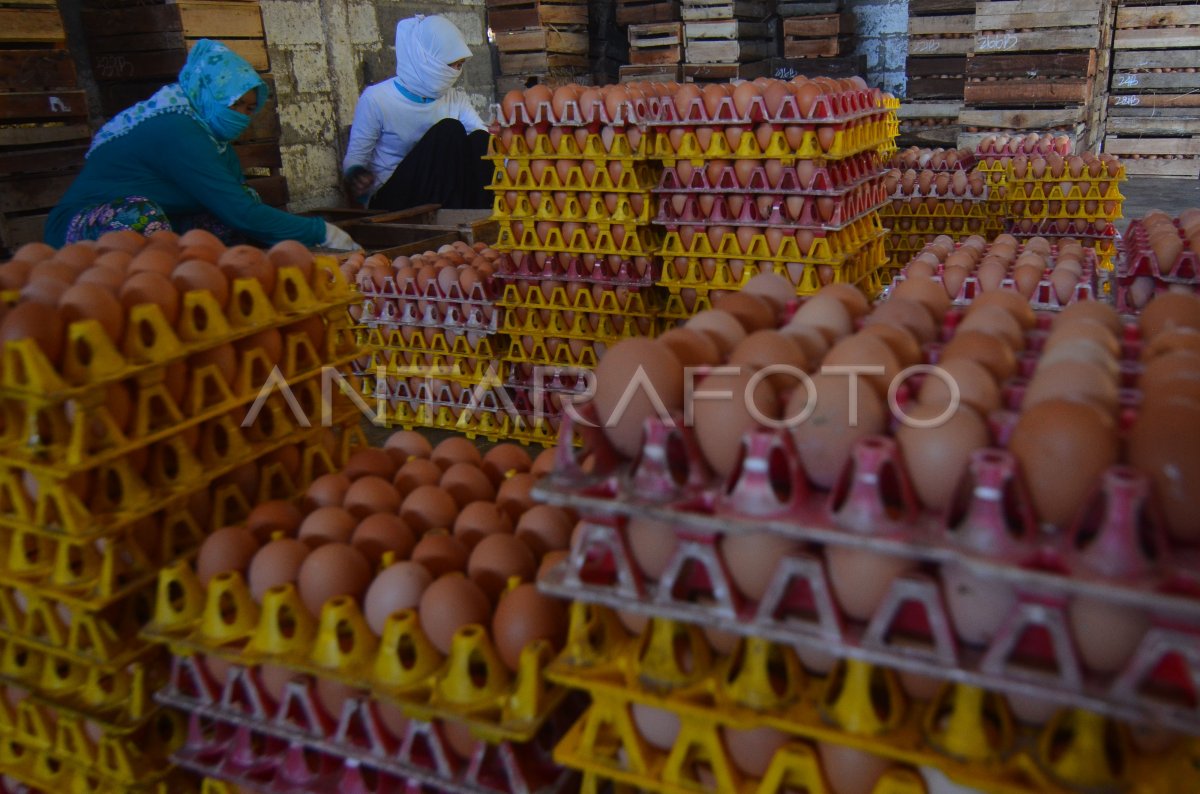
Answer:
(1079, 381)
(725, 408)
(153, 260)
(228, 549)
(722, 328)
(995, 321)
(478, 520)
(752, 312)
(1062, 448)
(154, 288)
(333, 570)
(545, 528)
(370, 462)
(440, 553)
(752, 557)
(977, 387)
(289, 253)
(907, 314)
(274, 516)
(405, 444)
(48, 291)
(504, 458)
(383, 532)
(990, 351)
(936, 456)
(903, 344)
(223, 357)
(1168, 311)
(371, 494)
(1088, 330)
(1096, 311)
(1174, 341)
(763, 349)
(926, 292)
(197, 274)
(692, 348)
(327, 525)
(467, 483)
(1164, 444)
(497, 557)
(428, 507)
(416, 472)
(246, 261)
(826, 437)
(450, 603)
(514, 495)
(328, 490)
(525, 616)
(399, 586)
(751, 750)
(827, 313)
(43, 324)
(543, 464)
(276, 563)
(92, 302)
(624, 367)
(455, 450)
(866, 350)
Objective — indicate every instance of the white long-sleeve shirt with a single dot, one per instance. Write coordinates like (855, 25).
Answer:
(387, 125)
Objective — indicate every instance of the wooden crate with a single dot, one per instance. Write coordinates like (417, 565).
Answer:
(664, 73)
(920, 8)
(727, 41)
(32, 181)
(656, 43)
(702, 10)
(1031, 119)
(1040, 25)
(1028, 79)
(936, 78)
(504, 15)
(1157, 156)
(929, 110)
(787, 9)
(825, 35)
(721, 72)
(630, 12)
(564, 41)
(788, 68)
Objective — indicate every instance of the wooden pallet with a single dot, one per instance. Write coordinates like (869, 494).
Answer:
(32, 181)
(1157, 156)
(929, 110)
(921, 8)
(503, 15)
(923, 46)
(826, 35)
(656, 44)
(727, 41)
(39, 25)
(1040, 25)
(936, 78)
(1032, 80)
(631, 12)
(1032, 119)
(662, 73)
(540, 39)
(702, 10)
(1157, 27)
(848, 65)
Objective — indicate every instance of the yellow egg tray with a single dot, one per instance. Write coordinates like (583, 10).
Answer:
(638, 241)
(568, 148)
(58, 751)
(426, 341)
(90, 359)
(450, 369)
(490, 396)
(963, 731)
(636, 303)
(848, 140)
(916, 207)
(831, 248)
(1011, 177)
(548, 351)
(582, 327)
(473, 424)
(57, 438)
(597, 211)
(636, 177)
(470, 685)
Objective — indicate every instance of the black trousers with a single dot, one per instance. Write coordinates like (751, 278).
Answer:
(445, 167)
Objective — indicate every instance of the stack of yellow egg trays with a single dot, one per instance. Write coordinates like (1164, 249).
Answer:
(89, 512)
(853, 129)
(914, 220)
(574, 206)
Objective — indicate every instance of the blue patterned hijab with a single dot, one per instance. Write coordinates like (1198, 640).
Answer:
(213, 78)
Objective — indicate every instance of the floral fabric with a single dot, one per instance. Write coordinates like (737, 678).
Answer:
(140, 214)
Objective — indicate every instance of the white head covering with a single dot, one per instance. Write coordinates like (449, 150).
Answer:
(425, 46)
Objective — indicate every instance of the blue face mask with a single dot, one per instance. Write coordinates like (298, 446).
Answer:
(227, 124)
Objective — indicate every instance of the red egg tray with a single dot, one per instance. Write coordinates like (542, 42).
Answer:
(520, 266)
(846, 209)
(630, 112)
(830, 179)
(236, 732)
(826, 109)
(1140, 260)
(394, 305)
(1123, 291)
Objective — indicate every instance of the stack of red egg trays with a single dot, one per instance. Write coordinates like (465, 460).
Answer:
(942, 578)
(750, 190)
(1139, 275)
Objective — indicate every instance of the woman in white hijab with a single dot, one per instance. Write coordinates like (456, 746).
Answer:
(415, 138)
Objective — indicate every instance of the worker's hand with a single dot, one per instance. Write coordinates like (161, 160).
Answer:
(359, 181)
(337, 240)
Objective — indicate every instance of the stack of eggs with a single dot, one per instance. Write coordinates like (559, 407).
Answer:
(1049, 276)
(406, 583)
(145, 399)
(770, 176)
(572, 197)
(1056, 196)
(430, 332)
(1161, 255)
(992, 156)
(929, 203)
(825, 533)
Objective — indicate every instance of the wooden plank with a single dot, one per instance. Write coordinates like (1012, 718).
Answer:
(17, 231)
(215, 20)
(938, 46)
(1042, 20)
(540, 14)
(655, 34)
(700, 10)
(1188, 168)
(628, 14)
(31, 25)
(37, 70)
(656, 56)
(29, 193)
(129, 65)
(935, 87)
(936, 67)
(47, 160)
(1023, 119)
(1157, 16)
(816, 27)
(1129, 82)
(1163, 39)
(929, 110)
(542, 39)
(35, 134)
(811, 48)
(1008, 93)
(653, 74)
(1155, 100)
(728, 51)
(42, 105)
(725, 29)
(264, 154)
(1041, 40)
(787, 9)
(918, 8)
(1161, 146)
(1166, 59)
(1120, 124)
(957, 24)
(253, 50)
(539, 62)
(1028, 66)
(272, 189)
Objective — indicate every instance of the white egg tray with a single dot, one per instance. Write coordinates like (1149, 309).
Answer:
(236, 734)
(873, 509)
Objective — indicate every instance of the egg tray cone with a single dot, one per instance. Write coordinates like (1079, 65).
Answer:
(964, 732)
(294, 746)
(863, 512)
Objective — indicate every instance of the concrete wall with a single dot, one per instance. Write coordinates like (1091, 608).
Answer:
(323, 53)
(882, 30)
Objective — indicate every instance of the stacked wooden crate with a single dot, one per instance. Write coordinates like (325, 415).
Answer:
(815, 30)
(941, 33)
(1153, 120)
(43, 118)
(655, 51)
(547, 41)
(1038, 65)
(136, 48)
(721, 35)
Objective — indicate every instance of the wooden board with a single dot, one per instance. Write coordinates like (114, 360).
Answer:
(1161, 39)
(529, 15)
(272, 189)
(1157, 16)
(918, 8)
(37, 70)
(1150, 122)
(1131, 82)
(1163, 59)
(629, 13)
(538, 62)
(725, 30)
(259, 154)
(817, 27)
(1023, 14)
(658, 34)
(918, 46)
(935, 87)
(707, 52)
(1037, 41)
(1010, 93)
(542, 39)
(16, 231)
(213, 20)
(666, 73)
(33, 192)
(929, 110)
(151, 55)
(786, 9)
(36, 134)
(1155, 100)
(1024, 119)
(815, 48)
(936, 67)
(954, 24)
(700, 10)
(46, 160)
(1026, 66)
(31, 26)
(1188, 168)
(1149, 146)
(656, 56)
(43, 105)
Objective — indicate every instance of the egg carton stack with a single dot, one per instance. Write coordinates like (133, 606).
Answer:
(933, 192)
(996, 594)
(775, 176)
(1160, 254)
(430, 327)
(383, 636)
(574, 171)
(1079, 196)
(992, 156)
(1152, 122)
(140, 412)
(940, 36)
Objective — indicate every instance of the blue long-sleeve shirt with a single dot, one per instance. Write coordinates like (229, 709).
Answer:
(171, 160)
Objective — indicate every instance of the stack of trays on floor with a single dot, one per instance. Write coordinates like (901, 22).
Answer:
(1005, 599)
(1153, 115)
(140, 413)
(1160, 255)
(775, 176)
(940, 36)
(574, 171)
(933, 193)
(385, 635)
(432, 334)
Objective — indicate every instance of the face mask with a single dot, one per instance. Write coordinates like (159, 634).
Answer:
(227, 124)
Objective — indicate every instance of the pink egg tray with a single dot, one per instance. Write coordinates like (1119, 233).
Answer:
(1140, 260)
(236, 732)
(394, 306)
(949, 197)
(791, 212)
(963, 164)
(1017, 145)
(1044, 298)
(523, 266)
(1028, 579)
(634, 112)
(826, 109)
(831, 179)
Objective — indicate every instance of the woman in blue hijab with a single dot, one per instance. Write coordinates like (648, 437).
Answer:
(166, 163)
